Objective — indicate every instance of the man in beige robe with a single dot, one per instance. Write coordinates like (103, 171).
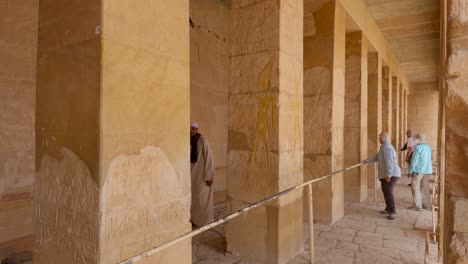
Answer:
(202, 170)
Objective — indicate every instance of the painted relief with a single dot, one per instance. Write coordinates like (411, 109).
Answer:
(266, 110)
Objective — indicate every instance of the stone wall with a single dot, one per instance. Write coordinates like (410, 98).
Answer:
(209, 77)
(18, 48)
(422, 111)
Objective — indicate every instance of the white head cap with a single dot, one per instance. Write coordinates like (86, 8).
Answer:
(194, 124)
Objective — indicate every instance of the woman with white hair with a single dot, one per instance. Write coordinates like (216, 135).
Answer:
(419, 171)
(388, 172)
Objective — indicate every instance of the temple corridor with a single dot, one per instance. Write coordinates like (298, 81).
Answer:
(361, 236)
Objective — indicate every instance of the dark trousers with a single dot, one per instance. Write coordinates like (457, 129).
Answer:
(387, 189)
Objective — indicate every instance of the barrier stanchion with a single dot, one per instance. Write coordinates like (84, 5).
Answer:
(311, 222)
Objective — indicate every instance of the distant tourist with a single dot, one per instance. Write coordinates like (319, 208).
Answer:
(419, 171)
(202, 171)
(388, 173)
(409, 145)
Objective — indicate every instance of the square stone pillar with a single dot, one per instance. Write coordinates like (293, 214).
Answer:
(324, 89)
(265, 142)
(374, 116)
(394, 136)
(386, 100)
(456, 133)
(112, 131)
(355, 124)
(401, 131)
(405, 114)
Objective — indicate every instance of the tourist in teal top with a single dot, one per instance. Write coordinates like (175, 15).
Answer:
(420, 169)
(388, 172)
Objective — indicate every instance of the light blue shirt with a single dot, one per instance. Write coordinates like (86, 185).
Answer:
(421, 161)
(387, 161)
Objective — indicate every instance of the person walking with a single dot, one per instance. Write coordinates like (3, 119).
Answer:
(388, 173)
(419, 171)
(202, 172)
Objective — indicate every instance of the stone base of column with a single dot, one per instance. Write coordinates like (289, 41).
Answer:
(328, 205)
(268, 234)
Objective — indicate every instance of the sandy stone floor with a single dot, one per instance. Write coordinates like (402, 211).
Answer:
(362, 236)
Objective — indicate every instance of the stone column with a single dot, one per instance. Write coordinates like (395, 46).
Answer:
(386, 101)
(456, 133)
(395, 105)
(324, 88)
(265, 142)
(401, 132)
(406, 110)
(374, 110)
(112, 125)
(355, 125)
(404, 126)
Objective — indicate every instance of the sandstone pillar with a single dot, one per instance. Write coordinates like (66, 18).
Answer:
(406, 110)
(386, 100)
(395, 105)
(265, 142)
(374, 110)
(456, 133)
(324, 63)
(404, 125)
(355, 125)
(401, 133)
(112, 156)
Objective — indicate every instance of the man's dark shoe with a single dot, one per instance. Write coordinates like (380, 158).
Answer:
(391, 216)
(384, 212)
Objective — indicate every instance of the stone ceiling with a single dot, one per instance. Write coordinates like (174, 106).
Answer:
(412, 29)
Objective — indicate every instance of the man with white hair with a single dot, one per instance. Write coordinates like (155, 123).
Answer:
(420, 168)
(388, 172)
(202, 171)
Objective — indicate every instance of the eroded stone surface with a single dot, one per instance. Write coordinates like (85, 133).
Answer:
(65, 211)
(129, 225)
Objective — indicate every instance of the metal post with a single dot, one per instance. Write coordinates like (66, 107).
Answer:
(311, 222)
(376, 180)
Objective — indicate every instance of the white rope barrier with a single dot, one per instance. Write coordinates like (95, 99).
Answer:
(229, 217)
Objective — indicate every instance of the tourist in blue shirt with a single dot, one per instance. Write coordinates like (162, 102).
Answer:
(420, 169)
(388, 172)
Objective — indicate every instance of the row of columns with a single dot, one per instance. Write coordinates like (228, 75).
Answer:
(342, 100)
(113, 181)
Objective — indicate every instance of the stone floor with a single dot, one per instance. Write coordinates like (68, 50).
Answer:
(362, 236)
